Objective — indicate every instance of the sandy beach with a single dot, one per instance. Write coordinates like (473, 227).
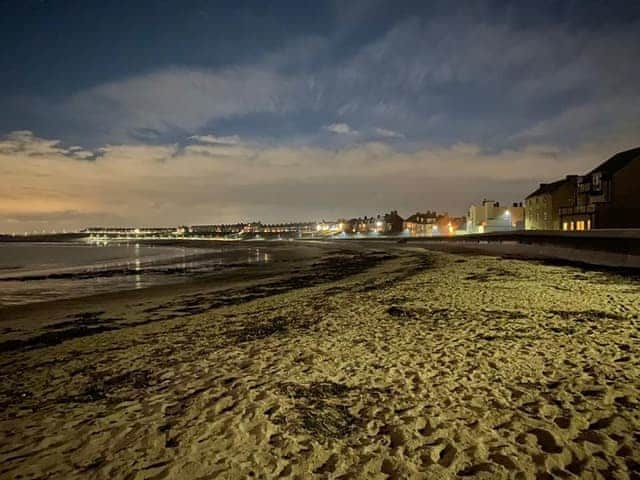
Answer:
(370, 362)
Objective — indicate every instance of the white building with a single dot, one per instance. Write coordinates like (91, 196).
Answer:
(491, 217)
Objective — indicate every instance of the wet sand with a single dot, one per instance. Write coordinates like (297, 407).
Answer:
(366, 362)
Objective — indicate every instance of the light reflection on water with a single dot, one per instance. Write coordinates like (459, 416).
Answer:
(106, 268)
(257, 256)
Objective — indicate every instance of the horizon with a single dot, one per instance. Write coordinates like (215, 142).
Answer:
(173, 114)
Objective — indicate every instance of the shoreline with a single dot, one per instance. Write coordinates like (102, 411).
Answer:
(201, 262)
(304, 266)
(13, 318)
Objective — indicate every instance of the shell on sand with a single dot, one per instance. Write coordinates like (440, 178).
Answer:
(430, 365)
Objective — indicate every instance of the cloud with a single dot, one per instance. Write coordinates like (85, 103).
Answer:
(383, 132)
(148, 106)
(65, 216)
(24, 141)
(82, 154)
(229, 140)
(457, 88)
(132, 184)
(340, 128)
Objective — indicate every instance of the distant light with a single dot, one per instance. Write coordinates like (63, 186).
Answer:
(378, 224)
(507, 213)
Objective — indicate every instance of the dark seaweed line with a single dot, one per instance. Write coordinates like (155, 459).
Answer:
(331, 269)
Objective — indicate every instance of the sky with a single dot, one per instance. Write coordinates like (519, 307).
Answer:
(195, 112)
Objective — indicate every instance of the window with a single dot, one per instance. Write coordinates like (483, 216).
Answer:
(580, 225)
(571, 226)
(596, 182)
(565, 226)
(589, 224)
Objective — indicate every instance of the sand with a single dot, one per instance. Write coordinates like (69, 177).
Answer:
(426, 365)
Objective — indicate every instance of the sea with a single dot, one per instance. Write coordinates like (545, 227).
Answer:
(38, 272)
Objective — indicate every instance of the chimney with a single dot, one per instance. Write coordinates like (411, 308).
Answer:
(573, 178)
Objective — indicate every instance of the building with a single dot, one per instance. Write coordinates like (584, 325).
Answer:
(458, 224)
(432, 223)
(543, 205)
(607, 197)
(491, 217)
(132, 232)
(330, 228)
(446, 225)
(421, 224)
(363, 225)
(380, 224)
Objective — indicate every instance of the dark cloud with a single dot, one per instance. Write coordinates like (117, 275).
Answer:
(442, 77)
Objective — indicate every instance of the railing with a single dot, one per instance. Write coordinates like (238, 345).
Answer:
(577, 209)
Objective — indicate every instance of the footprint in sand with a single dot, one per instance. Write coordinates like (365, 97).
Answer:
(563, 422)
(476, 469)
(447, 455)
(546, 440)
(329, 466)
(503, 460)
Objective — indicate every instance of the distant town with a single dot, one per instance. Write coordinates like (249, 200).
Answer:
(607, 197)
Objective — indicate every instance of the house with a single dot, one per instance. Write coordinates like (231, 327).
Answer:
(380, 224)
(491, 217)
(606, 197)
(364, 225)
(458, 224)
(543, 205)
(421, 224)
(446, 225)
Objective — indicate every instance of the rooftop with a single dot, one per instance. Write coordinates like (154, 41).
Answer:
(618, 161)
(548, 188)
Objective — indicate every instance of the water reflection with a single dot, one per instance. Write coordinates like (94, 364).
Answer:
(73, 271)
(257, 255)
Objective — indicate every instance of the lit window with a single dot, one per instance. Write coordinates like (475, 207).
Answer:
(565, 226)
(589, 224)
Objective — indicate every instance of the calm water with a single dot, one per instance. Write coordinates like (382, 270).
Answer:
(36, 272)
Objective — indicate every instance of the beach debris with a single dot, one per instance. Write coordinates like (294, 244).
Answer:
(319, 408)
(401, 312)
(102, 388)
